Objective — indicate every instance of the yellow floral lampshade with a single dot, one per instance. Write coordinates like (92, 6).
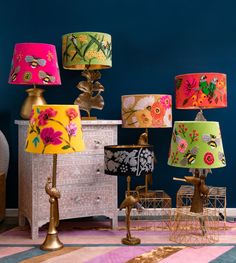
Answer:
(54, 129)
(196, 144)
(146, 111)
(86, 50)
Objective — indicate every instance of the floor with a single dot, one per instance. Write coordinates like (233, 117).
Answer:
(8, 223)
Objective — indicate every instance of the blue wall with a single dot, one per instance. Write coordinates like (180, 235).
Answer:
(152, 42)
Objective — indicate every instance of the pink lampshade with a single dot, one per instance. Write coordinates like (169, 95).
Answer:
(201, 90)
(34, 63)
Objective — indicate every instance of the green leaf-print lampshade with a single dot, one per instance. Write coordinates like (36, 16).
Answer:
(196, 144)
(86, 50)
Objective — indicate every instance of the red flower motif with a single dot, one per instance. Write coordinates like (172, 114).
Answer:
(158, 111)
(209, 158)
(44, 115)
(189, 86)
(71, 113)
(48, 136)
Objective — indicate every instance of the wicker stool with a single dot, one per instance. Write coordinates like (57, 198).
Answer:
(2, 196)
(195, 228)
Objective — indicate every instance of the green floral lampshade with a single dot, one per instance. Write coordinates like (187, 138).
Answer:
(196, 144)
(86, 50)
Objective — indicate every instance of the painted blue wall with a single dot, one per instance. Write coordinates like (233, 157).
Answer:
(152, 42)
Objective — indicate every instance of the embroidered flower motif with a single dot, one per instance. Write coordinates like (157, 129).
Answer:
(27, 76)
(128, 102)
(83, 38)
(157, 111)
(168, 117)
(209, 158)
(71, 129)
(45, 115)
(144, 103)
(182, 146)
(71, 113)
(49, 136)
(144, 118)
(32, 120)
(50, 56)
(166, 101)
(189, 86)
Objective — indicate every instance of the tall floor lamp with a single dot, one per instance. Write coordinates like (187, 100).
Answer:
(54, 129)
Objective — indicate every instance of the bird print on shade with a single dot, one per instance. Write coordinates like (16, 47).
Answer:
(196, 144)
(34, 64)
(54, 129)
(146, 111)
(201, 90)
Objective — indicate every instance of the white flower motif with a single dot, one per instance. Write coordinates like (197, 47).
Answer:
(135, 121)
(168, 118)
(128, 102)
(144, 103)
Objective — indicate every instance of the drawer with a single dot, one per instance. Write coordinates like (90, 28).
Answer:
(74, 169)
(81, 201)
(96, 139)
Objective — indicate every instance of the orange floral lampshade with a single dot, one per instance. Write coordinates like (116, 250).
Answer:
(54, 129)
(201, 90)
(146, 111)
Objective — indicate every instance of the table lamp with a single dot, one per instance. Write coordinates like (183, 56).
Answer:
(201, 91)
(90, 52)
(196, 145)
(34, 64)
(54, 129)
(128, 160)
(146, 111)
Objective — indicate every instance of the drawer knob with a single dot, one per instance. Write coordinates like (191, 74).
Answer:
(98, 171)
(97, 143)
(98, 199)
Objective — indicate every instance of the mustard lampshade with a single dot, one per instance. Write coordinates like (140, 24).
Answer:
(86, 50)
(196, 144)
(146, 111)
(54, 129)
(201, 91)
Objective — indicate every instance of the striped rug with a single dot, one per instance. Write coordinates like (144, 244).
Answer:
(95, 242)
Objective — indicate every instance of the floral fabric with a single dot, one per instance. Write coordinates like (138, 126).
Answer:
(54, 129)
(201, 90)
(196, 144)
(82, 49)
(147, 111)
(133, 161)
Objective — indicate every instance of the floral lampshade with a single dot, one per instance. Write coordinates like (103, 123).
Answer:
(86, 50)
(128, 160)
(54, 129)
(201, 90)
(146, 111)
(34, 63)
(196, 144)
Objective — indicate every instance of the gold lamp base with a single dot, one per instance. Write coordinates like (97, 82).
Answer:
(51, 242)
(131, 241)
(34, 97)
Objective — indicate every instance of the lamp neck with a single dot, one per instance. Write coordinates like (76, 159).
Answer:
(54, 170)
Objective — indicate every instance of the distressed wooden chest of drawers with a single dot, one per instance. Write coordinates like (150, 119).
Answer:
(85, 189)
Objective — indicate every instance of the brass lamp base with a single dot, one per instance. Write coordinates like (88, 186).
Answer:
(34, 97)
(88, 118)
(51, 242)
(131, 241)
